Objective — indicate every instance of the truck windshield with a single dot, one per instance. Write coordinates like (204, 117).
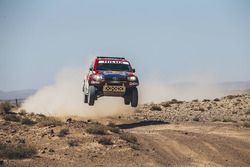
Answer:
(113, 67)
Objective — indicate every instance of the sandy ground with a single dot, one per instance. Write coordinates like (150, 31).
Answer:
(197, 134)
(190, 144)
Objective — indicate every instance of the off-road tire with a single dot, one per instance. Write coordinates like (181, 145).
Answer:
(127, 100)
(91, 95)
(85, 98)
(134, 97)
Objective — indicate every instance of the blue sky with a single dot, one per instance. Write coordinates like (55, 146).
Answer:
(170, 39)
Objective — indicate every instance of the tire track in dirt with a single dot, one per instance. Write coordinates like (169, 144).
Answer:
(195, 144)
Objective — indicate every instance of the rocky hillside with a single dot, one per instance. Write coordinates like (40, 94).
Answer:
(232, 108)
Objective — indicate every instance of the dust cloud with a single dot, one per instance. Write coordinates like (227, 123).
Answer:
(200, 87)
(65, 97)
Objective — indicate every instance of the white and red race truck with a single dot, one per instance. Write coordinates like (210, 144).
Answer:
(111, 76)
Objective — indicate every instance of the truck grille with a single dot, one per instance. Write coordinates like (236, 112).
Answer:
(115, 78)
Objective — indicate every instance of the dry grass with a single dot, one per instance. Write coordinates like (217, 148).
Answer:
(247, 113)
(155, 107)
(16, 151)
(196, 119)
(5, 107)
(129, 138)
(63, 132)
(27, 121)
(22, 112)
(113, 128)
(105, 141)
(73, 142)
(216, 99)
(11, 117)
(49, 121)
(216, 120)
(246, 124)
(228, 120)
(97, 128)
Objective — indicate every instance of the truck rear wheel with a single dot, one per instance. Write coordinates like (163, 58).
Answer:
(91, 95)
(85, 98)
(134, 97)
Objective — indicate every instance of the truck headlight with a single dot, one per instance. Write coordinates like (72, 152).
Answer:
(132, 78)
(97, 77)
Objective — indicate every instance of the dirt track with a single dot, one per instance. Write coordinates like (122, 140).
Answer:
(195, 145)
(160, 144)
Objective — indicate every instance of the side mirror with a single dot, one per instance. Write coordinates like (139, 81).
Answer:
(91, 69)
(133, 70)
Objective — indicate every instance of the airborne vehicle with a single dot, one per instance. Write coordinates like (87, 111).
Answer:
(111, 76)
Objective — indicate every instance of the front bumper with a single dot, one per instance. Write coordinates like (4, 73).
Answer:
(113, 88)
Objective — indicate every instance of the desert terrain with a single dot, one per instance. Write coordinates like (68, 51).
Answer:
(213, 132)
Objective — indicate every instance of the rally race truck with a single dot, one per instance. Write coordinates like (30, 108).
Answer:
(111, 76)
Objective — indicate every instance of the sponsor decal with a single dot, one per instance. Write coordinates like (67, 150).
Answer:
(113, 62)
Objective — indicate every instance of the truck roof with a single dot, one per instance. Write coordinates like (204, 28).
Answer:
(113, 58)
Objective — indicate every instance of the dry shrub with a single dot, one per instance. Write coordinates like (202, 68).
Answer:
(246, 124)
(73, 142)
(105, 141)
(11, 117)
(155, 107)
(195, 100)
(128, 137)
(63, 132)
(216, 99)
(166, 104)
(16, 151)
(5, 107)
(113, 128)
(27, 121)
(49, 121)
(228, 120)
(206, 100)
(196, 119)
(22, 112)
(97, 128)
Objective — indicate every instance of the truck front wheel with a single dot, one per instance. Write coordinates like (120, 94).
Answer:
(134, 97)
(126, 100)
(91, 95)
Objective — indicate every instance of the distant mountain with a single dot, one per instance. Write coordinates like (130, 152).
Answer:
(19, 94)
(231, 86)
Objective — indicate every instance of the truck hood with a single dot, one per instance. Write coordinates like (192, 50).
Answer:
(116, 75)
